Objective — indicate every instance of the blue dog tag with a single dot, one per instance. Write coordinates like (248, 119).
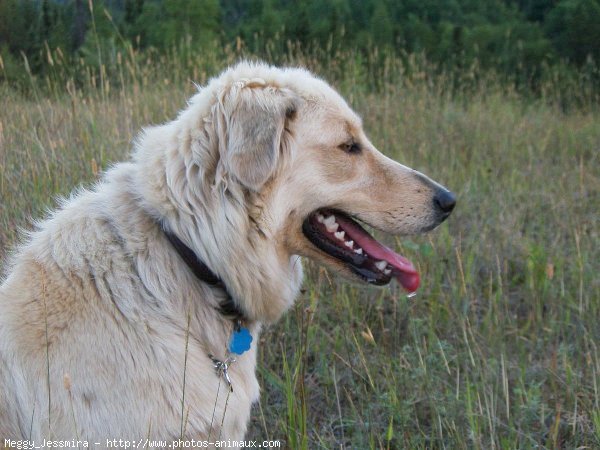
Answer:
(240, 342)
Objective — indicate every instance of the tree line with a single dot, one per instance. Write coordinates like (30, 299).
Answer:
(506, 35)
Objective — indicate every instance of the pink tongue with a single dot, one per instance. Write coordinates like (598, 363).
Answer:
(404, 271)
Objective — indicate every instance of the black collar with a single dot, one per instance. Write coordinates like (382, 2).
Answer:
(227, 307)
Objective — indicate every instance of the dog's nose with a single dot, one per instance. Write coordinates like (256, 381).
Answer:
(444, 200)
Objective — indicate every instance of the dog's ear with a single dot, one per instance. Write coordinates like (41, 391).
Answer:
(253, 118)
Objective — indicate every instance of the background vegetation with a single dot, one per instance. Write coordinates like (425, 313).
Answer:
(500, 347)
(518, 38)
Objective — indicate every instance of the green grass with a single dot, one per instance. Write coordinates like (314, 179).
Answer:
(500, 347)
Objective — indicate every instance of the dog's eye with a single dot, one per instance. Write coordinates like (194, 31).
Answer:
(350, 147)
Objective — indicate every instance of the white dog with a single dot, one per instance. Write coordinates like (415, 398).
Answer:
(120, 315)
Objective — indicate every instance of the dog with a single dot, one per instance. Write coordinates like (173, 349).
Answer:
(133, 311)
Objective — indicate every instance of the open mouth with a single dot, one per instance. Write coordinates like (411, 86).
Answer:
(344, 239)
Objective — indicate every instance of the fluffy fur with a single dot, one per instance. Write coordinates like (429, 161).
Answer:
(100, 320)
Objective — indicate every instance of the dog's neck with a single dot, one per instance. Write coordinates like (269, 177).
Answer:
(262, 283)
(219, 225)
(228, 308)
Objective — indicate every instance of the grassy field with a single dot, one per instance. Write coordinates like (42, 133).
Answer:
(500, 347)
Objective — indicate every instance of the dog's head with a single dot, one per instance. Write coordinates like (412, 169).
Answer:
(297, 155)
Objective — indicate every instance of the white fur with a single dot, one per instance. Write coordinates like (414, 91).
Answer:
(98, 306)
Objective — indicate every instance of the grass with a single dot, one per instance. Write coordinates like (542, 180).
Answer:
(500, 347)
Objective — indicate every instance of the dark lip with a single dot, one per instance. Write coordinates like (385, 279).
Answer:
(439, 219)
(360, 265)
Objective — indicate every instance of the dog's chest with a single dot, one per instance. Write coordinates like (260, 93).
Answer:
(208, 397)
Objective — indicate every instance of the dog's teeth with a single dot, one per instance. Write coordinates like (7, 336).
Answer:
(340, 235)
(387, 271)
(332, 228)
(381, 265)
(320, 218)
(349, 244)
(359, 251)
(329, 221)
